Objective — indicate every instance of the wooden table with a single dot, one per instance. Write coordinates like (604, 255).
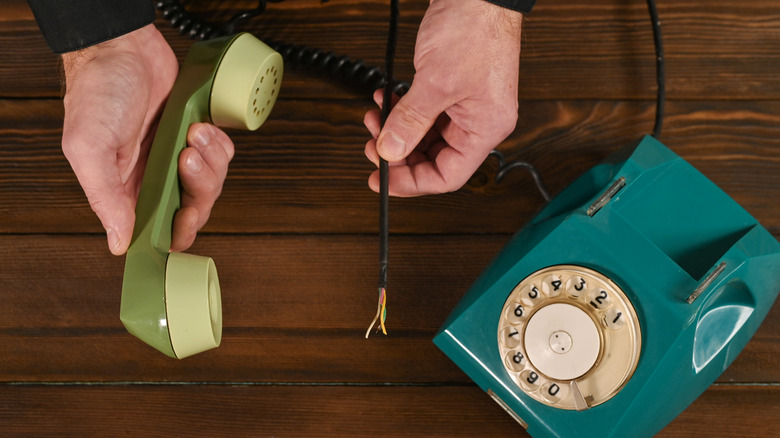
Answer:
(294, 233)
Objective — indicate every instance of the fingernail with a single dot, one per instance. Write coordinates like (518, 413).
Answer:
(202, 137)
(194, 163)
(113, 238)
(390, 146)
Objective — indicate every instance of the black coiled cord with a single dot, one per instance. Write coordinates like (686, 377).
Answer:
(355, 73)
(339, 67)
(200, 29)
(342, 68)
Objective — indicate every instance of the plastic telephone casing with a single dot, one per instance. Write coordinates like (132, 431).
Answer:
(658, 238)
(217, 83)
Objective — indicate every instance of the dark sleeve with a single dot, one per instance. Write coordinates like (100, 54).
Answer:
(523, 6)
(69, 25)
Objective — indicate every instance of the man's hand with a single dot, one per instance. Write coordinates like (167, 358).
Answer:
(462, 102)
(115, 94)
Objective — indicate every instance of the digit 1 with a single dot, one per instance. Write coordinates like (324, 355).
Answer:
(619, 314)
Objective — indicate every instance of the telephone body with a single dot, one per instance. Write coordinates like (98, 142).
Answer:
(619, 303)
(172, 301)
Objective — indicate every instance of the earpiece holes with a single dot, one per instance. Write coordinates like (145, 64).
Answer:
(272, 72)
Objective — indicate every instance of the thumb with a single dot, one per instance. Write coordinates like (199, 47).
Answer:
(410, 119)
(115, 210)
(99, 177)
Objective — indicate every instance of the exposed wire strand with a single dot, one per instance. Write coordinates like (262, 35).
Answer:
(342, 67)
(384, 197)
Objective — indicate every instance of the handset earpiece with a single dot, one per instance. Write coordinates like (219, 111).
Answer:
(172, 301)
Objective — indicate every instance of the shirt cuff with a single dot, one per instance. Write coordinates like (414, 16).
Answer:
(523, 6)
(69, 25)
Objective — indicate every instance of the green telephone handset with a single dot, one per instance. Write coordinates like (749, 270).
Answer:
(172, 300)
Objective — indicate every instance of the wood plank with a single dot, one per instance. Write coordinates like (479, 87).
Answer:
(198, 410)
(305, 171)
(599, 50)
(295, 310)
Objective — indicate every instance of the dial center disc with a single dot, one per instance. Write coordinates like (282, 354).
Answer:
(562, 341)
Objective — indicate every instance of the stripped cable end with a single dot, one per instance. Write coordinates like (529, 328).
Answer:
(381, 313)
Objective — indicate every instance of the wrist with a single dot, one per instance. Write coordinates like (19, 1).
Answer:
(132, 41)
(507, 20)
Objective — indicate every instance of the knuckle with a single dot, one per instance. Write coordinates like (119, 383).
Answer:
(410, 115)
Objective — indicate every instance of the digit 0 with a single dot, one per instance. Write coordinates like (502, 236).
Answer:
(553, 389)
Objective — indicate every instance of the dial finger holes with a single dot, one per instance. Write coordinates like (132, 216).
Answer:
(599, 299)
(576, 286)
(614, 319)
(530, 380)
(515, 360)
(552, 285)
(510, 337)
(553, 392)
(531, 295)
(562, 324)
(515, 313)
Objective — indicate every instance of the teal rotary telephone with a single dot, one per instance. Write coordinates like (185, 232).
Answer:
(620, 302)
(172, 300)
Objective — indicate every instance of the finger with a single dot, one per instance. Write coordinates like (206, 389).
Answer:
(410, 119)
(450, 170)
(371, 152)
(373, 156)
(97, 169)
(371, 120)
(379, 97)
(213, 144)
(202, 171)
(186, 227)
(373, 117)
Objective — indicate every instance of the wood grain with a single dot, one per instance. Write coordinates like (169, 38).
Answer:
(599, 50)
(305, 171)
(294, 238)
(295, 310)
(325, 411)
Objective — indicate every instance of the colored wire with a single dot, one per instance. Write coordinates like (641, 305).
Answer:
(381, 313)
(384, 170)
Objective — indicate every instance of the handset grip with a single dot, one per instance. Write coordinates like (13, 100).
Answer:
(232, 82)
